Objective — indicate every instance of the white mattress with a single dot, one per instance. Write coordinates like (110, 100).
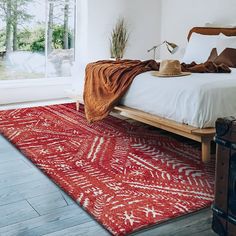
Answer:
(197, 100)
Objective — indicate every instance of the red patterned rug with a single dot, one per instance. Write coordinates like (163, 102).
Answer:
(126, 176)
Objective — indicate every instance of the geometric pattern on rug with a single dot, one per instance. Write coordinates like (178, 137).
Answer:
(125, 175)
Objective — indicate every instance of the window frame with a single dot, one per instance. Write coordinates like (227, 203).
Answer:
(44, 81)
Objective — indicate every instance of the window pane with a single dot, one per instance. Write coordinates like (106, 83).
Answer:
(60, 37)
(36, 38)
(22, 36)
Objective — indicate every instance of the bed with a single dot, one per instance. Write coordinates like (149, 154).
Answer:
(189, 105)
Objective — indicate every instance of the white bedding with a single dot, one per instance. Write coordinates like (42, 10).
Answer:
(197, 100)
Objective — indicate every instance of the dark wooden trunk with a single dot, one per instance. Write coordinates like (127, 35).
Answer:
(224, 207)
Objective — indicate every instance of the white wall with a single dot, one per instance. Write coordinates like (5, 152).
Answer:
(144, 18)
(33, 90)
(96, 19)
(94, 32)
(178, 17)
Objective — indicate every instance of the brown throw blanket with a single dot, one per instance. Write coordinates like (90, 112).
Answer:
(107, 81)
(207, 67)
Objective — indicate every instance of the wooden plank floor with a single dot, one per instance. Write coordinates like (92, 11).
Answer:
(31, 205)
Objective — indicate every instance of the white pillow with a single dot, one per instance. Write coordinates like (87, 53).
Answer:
(199, 48)
(225, 42)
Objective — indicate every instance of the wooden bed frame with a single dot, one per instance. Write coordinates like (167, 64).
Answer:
(205, 135)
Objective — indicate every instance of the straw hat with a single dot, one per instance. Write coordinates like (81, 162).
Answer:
(170, 68)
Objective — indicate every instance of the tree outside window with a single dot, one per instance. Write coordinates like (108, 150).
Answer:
(36, 38)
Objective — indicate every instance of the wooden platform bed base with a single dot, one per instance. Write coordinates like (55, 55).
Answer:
(204, 136)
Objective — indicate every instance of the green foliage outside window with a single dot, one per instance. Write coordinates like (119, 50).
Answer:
(35, 40)
(58, 37)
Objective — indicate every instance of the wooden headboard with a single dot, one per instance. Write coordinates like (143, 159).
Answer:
(212, 31)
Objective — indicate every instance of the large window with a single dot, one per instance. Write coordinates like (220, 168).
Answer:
(37, 38)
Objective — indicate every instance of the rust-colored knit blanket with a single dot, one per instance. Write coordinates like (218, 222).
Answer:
(207, 67)
(107, 81)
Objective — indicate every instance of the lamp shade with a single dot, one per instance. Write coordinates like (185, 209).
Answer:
(171, 47)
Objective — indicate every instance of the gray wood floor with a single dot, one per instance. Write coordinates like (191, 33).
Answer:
(31, 205)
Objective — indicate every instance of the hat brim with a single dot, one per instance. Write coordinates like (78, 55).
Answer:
(158, 74)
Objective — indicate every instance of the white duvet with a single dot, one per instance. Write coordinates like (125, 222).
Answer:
(197, 100)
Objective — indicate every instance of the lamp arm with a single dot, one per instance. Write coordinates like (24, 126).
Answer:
(171, 47)
(155, 47)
